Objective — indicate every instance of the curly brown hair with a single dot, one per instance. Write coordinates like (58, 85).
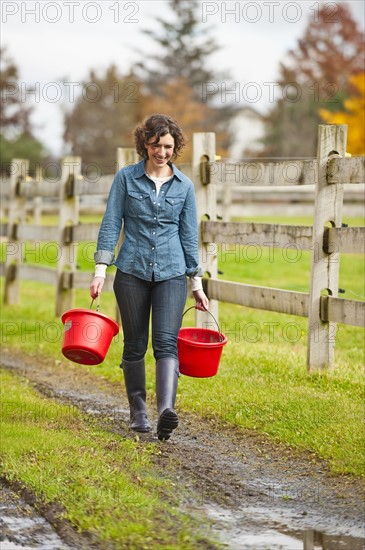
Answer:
(158, 126)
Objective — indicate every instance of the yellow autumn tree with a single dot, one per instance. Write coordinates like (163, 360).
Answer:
(353, 116)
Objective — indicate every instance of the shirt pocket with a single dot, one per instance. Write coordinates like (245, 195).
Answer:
(138, 203)
(173, 207)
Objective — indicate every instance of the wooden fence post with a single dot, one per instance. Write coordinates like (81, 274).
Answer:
(325, 265)
(14, 254)
(126, 156)
(206, 199)
(69, 216)
(38, 201)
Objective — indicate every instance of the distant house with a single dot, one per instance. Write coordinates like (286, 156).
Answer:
(247, 128)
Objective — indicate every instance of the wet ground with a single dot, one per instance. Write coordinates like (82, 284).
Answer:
(257, 495)
(23, 527)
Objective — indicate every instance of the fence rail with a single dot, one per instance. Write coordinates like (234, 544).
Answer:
(261, 234)
(326, 239)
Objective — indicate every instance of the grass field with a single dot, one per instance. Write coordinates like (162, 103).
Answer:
(262, 385)
(106, 484)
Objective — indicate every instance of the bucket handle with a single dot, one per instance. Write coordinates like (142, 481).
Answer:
(211, 314)
(97, 303)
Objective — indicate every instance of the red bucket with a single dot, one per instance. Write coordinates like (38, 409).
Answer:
(200, 351)
(87, 335)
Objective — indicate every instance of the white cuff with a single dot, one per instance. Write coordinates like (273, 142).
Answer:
(100, 270)
(196, 283)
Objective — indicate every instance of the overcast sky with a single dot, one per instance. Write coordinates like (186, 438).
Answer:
(55, 44)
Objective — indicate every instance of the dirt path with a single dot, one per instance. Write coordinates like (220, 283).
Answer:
(258, 495)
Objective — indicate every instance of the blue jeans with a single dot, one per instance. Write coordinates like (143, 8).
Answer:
(136, 298)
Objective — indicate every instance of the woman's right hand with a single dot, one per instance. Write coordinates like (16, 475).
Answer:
(96, 287)
(201, 301)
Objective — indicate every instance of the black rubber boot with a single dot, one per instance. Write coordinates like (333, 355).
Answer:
(167, 374)
(135, 383)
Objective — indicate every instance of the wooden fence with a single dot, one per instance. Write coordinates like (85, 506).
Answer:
(326, 239)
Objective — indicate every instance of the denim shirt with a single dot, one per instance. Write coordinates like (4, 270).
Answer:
(160, 232)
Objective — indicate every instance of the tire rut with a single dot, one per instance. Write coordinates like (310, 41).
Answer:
(239, 479)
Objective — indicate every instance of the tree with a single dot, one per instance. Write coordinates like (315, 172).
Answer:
(14, 114)
(174, 78)
(25, 147)
(103, 118)
(184, 51)
(353, 115)
(16, 137)
(315, 75)
(331, 49)
(170, 82)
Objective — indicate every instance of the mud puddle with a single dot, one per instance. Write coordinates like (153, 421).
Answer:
(23, 528)
(257, 495)
(262, 529)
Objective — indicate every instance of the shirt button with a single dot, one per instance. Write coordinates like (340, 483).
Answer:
(153, 248)
(154, 203)
(159, 204)
(155, 218)
(151, 264)
(153, 232)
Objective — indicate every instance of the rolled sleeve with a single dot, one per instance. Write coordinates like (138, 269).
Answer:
(104, 257)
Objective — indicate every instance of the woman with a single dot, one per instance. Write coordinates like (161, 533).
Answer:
(155, 203)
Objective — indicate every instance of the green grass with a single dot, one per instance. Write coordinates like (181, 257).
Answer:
(290, 268)
(262, 383)
(106, 484)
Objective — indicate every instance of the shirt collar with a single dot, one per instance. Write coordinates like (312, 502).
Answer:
(139, 170)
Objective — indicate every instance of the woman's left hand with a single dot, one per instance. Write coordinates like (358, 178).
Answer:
(201, 301)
